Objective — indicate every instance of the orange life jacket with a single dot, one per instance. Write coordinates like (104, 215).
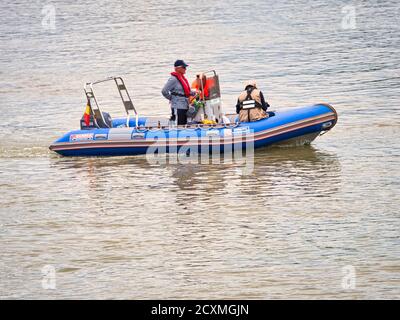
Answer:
(196, 85)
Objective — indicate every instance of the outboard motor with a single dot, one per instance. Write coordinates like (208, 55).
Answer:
(92, 123)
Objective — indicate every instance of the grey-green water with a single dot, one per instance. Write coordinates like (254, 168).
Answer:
(300, 226)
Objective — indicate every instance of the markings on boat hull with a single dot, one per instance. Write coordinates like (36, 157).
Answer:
(81, 137)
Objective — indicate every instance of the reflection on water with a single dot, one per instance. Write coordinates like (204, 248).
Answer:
(302, 168)
(123, 228)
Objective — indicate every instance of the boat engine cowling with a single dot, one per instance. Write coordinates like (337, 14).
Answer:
(92, 123)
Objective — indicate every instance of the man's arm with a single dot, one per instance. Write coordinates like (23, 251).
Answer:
(238, 107)
(264, 103)
(166, 91)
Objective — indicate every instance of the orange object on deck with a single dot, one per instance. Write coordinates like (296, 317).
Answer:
(200, 83)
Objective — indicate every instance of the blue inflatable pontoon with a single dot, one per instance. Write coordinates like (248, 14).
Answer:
(131, 135)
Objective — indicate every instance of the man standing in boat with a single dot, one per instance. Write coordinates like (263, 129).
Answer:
(177, 91)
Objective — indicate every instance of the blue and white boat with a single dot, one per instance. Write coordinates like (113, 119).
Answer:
(134, 134)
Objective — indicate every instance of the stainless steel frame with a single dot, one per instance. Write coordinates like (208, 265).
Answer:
(123, 92)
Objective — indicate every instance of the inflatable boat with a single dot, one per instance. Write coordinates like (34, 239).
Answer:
(209, 130)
